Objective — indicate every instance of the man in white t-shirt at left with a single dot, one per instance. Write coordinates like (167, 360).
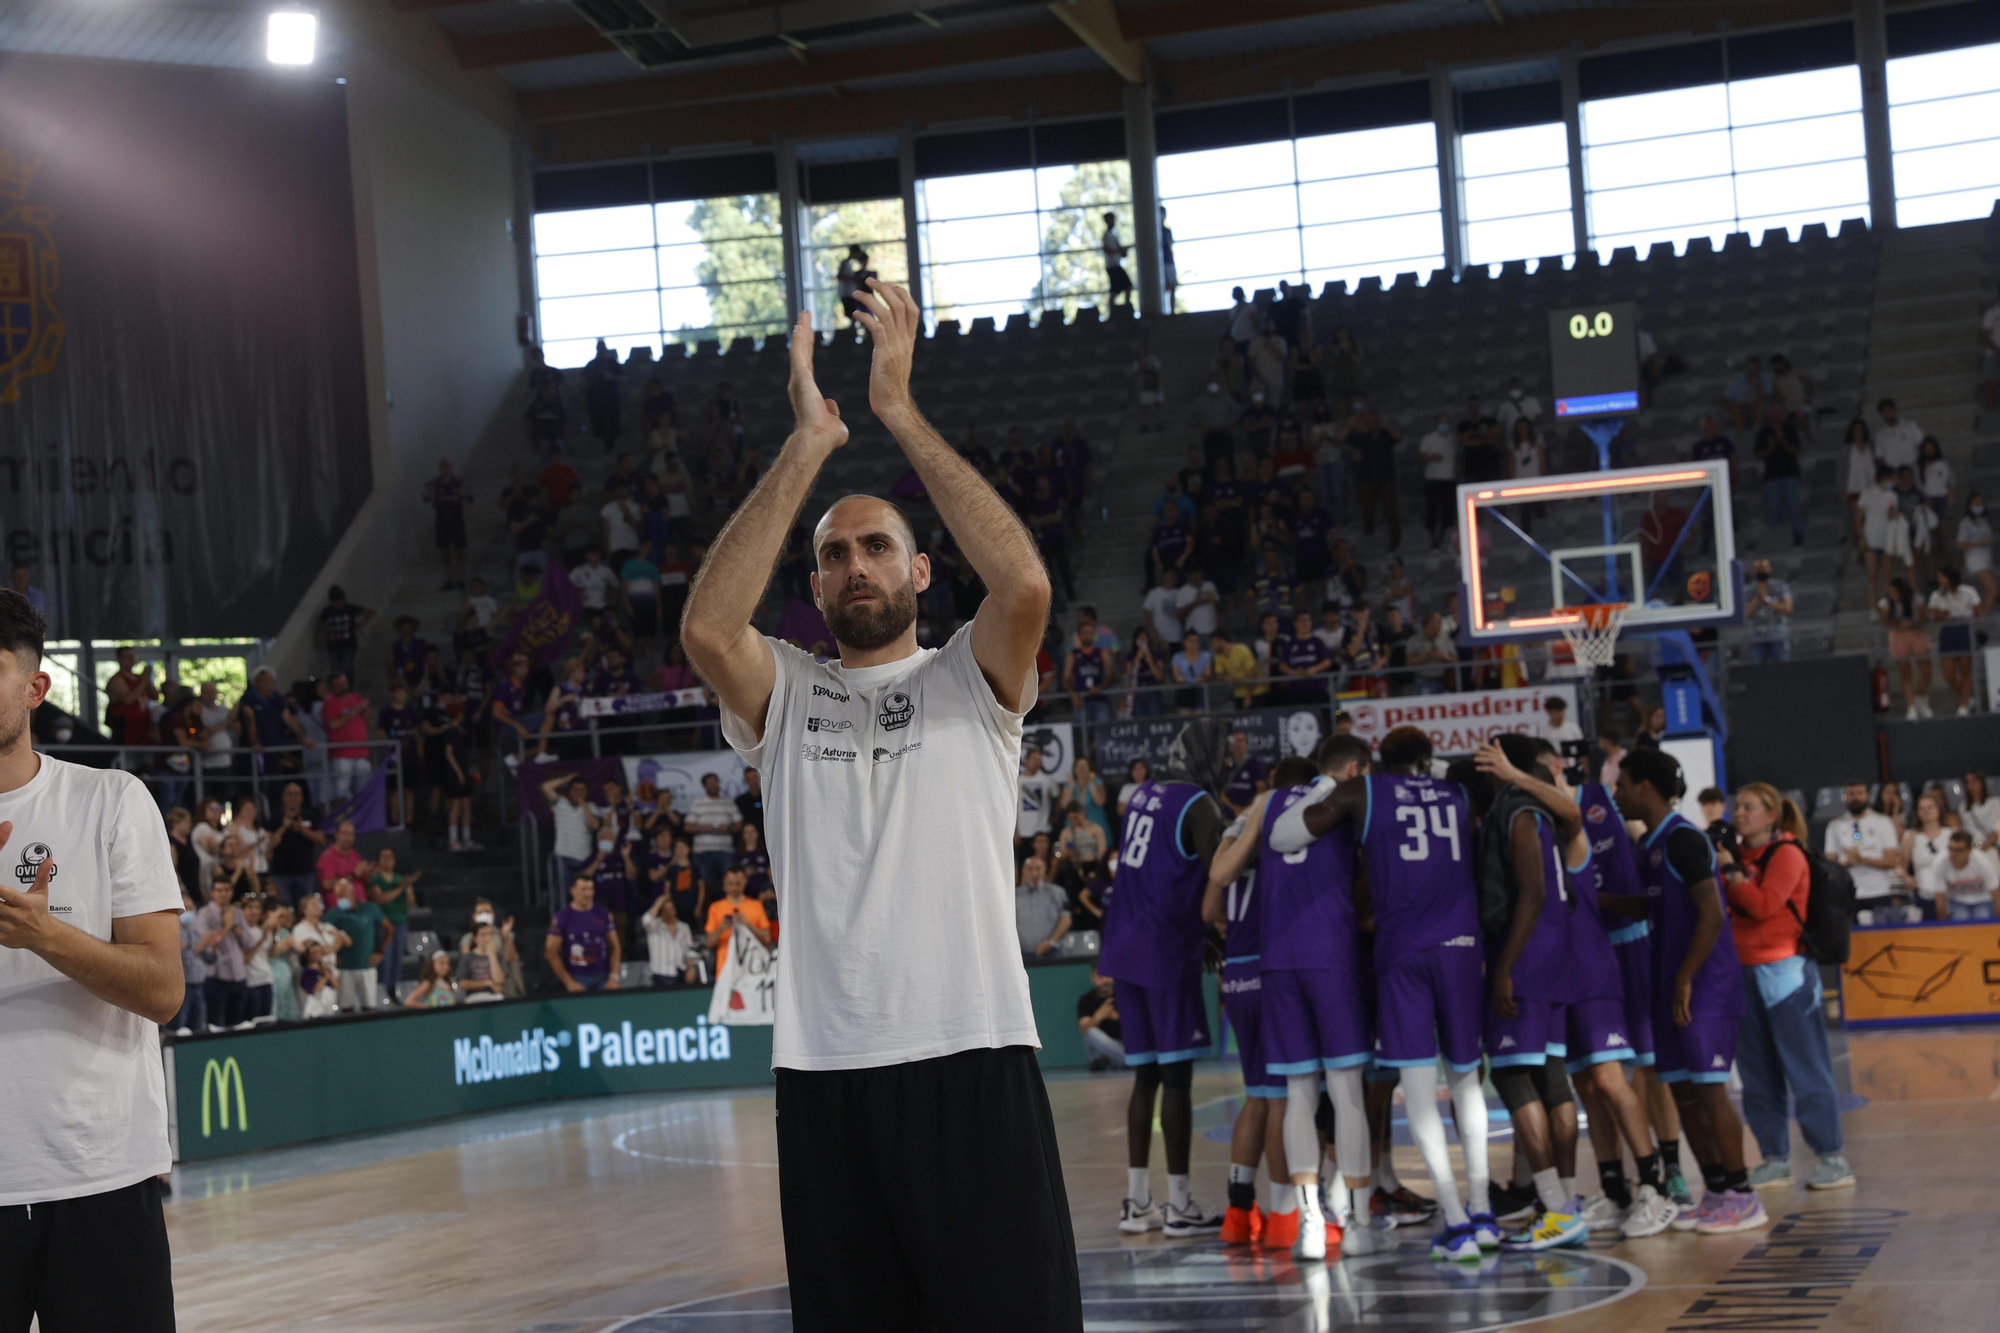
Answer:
(89, 966)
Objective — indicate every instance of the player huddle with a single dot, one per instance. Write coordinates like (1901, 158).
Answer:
(1376, 920)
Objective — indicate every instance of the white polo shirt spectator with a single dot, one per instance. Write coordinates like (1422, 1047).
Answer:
(1163, 617)
(1196, 602)
(1897, 443)
(595, 581)
(1039, 792)
(1872, 834)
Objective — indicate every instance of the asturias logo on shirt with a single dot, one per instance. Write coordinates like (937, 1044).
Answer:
(31, 862)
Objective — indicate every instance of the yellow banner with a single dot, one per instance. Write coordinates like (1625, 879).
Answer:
(1923, 974)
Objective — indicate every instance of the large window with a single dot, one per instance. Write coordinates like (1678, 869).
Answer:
(1741, 156)
(1944, 127)
(1327, 208)
(876, 225)
(1003, 243)
(1517, 196)
(648, 275)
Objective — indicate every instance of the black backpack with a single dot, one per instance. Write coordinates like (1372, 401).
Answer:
(1825, 928)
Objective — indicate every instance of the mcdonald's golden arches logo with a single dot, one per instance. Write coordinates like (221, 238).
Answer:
(220, 1076)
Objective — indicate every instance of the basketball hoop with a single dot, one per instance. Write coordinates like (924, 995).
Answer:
(1593, 636)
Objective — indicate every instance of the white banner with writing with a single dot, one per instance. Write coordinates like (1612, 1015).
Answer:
(746, 990)
(1459, 723)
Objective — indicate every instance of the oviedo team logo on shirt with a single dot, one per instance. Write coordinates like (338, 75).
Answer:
(897, 710)
(1595, 814)
(32, 857)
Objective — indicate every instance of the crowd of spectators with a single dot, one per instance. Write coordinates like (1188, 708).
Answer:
(1934, 856)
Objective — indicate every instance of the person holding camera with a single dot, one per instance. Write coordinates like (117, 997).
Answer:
(1767, 607)
(1781, 1045)
(733, 906)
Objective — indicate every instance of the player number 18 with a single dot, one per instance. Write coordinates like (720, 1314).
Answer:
(1443, 826)
(1138, 836)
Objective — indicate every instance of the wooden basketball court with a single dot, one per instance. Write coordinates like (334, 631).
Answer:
(609, 1213)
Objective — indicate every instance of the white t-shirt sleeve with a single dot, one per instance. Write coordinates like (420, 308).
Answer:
(1289, 834)
(786, 662)
(965, 671)
(141, 861)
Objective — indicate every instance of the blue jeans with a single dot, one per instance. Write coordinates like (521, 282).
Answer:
(566, 871)
(194, 1009)
(1771, 650)
(391, 970)
(1332, 488)
(1780, 1050)
(709, 867)
(1146, 703)
(1429, 686)
(1970, 911)
(1781, 502)
(295, 887)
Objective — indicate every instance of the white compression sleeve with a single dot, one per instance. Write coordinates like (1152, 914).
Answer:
(1301, 1136)
(1427, 1128)
(1289, 833)
(1468, 1104)
(1350, 1121)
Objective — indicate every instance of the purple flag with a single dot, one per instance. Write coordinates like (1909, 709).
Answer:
(543, 627)
(368, 808)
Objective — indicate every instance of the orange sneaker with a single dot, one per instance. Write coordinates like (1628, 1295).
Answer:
(1242, 1226)
(1281, 1231)
(1334, 1235)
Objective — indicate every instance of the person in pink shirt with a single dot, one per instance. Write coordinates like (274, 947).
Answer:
(345, 714)
(340, 861)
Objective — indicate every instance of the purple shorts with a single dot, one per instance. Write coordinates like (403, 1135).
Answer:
(1530, 1037)
(1163, 1024)
(1313, 1019)
(1635, 964)
(1430, 998)
(1597, 1033)
(1243, 1005)
(1701, 1052)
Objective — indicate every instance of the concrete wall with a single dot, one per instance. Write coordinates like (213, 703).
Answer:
(439, 229)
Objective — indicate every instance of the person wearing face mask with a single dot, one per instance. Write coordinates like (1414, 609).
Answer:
(1518, 405)
(366, 931)
(1439, 452)
(1975, 551)
(1870, 845)
(1767, 605)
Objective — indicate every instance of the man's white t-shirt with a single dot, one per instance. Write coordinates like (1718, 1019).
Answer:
(1556, 735)
(1897, 445)
(595, 583)
(83, 1094)
(1871, 833)
(1973, 884)
(1961, 603)
(619, 517)
(891, 844)
(1162, 608)
(1196, 615)
(1440, 454)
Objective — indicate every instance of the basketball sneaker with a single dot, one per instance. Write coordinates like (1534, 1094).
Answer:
(1193, 1220)
(1832, 1173)
(1651, 1213)
(1601, 1212)
(1679, 1196)
(1281, 1231)
(1137, 1217)
(1364, 1237)
(1486, 1230)
(1401, 1207)
(1692, 1218)
(1768, 1173)
(1242, 1226)
(1512, 1206)
(1311, 1243)
(1458, 1244)
(1734, 1211)
(1551, 1230)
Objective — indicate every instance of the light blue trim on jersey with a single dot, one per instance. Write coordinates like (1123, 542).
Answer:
(1180, 1057)
(1179, 821)
(1691, 1076)
(1140, 1058)
(1601, 1057)
(1293, 1067)
(1644, 1059)
(1246, 958)
(1346, 1061)
(1271, 1092)
(1458, 1068)
(1377, 1073)
(1558, 1049)
(1367, 803)
(1638, 930)
(1406, 1064)
(1578, 870)
(1520, 1058)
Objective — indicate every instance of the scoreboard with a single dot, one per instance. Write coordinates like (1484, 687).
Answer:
(1594, 357)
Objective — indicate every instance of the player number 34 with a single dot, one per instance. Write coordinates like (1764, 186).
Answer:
(1417, 842)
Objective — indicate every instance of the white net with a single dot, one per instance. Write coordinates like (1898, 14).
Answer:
(1593, 637)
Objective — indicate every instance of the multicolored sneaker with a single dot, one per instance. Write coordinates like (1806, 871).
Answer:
(1401, 1207)
(1458, 1244)
(1551, 1230)
(1735, 1210)
(1242, 1226)
(1691, 1218)
(1486, 1230)
(1514, 1207)
(1679, 1196)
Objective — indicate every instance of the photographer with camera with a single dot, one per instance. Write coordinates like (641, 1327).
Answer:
(1781, 1045)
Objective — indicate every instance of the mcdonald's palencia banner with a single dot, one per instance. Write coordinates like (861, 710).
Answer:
(183, 407)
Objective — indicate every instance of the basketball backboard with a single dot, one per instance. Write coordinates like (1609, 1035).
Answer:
(1660, 539)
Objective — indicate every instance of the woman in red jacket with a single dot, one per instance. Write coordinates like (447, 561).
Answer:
(1781, 1046)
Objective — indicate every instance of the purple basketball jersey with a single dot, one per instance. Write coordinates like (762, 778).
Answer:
(1718, 982)
(1243, 911)
(1417, 840)
(1542, 972)
(1592, 959)
(1308, 896)
(1152, 918)
(1612, 862)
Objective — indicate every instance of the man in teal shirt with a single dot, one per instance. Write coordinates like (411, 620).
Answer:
(367, 931)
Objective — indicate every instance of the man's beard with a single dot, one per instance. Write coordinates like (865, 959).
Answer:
(1857, 807)
(877, 624)
(12, 729)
